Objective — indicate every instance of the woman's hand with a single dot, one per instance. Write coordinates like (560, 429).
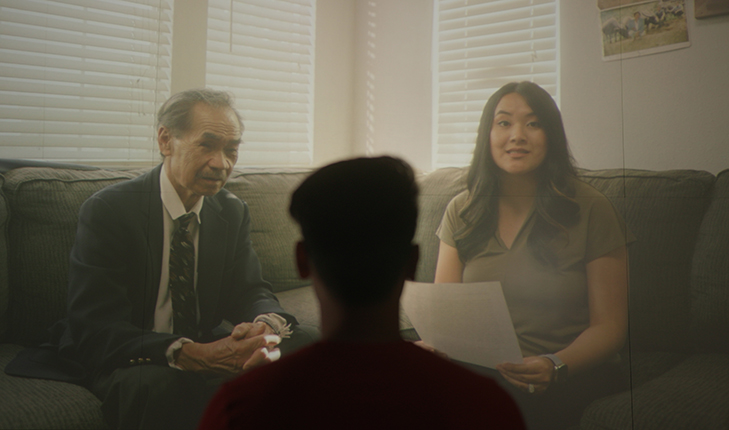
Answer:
(537, 372)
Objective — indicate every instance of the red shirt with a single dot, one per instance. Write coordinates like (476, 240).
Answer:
(362, 385)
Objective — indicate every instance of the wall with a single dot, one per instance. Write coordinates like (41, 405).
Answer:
(392, 111)
(334, 81)
(660, 111)
(189, 45)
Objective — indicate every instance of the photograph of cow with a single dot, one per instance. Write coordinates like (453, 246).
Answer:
(642, 28)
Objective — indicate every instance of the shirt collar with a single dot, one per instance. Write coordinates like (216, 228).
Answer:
(171, 200)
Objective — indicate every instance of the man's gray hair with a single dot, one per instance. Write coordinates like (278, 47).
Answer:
(175, 112)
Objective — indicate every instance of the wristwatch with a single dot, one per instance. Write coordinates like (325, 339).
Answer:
(560, 369)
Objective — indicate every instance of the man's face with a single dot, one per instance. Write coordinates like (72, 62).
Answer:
(199, 162)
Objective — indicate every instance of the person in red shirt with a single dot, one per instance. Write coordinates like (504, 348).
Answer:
(358, 219)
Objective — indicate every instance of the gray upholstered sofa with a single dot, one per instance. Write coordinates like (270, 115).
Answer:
(677, 359)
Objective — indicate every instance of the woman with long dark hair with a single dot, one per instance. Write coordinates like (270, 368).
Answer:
(557, 246)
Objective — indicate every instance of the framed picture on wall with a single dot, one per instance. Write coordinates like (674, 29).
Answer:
(636, 28)
(707, 8)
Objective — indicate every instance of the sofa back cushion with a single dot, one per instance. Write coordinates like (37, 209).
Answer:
(710, 274)
(436, 190)
(4, 291)
(44, 205)
(273, 232)
(664, 211)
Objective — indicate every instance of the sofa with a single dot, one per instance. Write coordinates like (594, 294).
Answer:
(676, 360)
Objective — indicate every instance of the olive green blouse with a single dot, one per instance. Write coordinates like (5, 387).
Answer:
(548, 305)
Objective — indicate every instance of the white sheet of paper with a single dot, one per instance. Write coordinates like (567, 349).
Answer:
(469, 322)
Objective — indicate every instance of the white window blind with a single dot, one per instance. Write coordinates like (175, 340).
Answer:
(478, 47)
(263, 52)
(81, 79)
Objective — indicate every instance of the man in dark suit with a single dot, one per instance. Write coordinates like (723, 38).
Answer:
(145, 322)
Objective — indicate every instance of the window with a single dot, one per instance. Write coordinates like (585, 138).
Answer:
(478, 47)
(81, 80)
(263, 52)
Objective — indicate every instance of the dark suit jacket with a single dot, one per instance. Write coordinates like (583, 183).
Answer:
(115, 272)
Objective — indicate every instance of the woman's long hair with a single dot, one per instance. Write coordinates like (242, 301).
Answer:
(556, 208)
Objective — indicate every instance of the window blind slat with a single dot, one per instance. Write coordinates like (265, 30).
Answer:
(73, 128)
(82, 141)
(498, 38)
(452, 8)
(58, 41)
(70, 63)
(496, 69)
(276, 86)
(142, 31)
(141, 14)
(41, 52)
(85, 78)
(18, 88)
(476, 25)
(478, 55)
(261, 49)
(257, 68)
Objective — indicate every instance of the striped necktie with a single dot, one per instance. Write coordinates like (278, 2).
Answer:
(182, 279)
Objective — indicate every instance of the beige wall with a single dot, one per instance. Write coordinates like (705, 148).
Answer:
(189, 49)
(393, 79)
(657, 112)
(334, 81)
(373, 80)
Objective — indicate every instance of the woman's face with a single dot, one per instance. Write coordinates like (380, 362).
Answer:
(518, 142)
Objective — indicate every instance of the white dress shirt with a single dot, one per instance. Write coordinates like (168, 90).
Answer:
(172, 209)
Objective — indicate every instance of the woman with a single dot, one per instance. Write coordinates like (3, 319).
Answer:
(558, 248)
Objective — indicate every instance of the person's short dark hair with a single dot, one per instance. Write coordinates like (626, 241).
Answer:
(175, 112)
(358, 219)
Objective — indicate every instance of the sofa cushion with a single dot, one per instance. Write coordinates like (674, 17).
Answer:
(302, 303)
(41, 231)
(4, 292)
(273, 232)
(664, 211)
(710, 273)
(436, 190)
(27, 403)
(692, 395)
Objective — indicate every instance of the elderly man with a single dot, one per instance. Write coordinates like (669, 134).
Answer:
(357, 219)
(159, 262)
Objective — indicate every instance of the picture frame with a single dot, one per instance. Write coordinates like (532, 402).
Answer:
(708, 8)
(636, 28)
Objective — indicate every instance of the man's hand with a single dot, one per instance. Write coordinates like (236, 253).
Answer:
(229, 356)
(247, 330)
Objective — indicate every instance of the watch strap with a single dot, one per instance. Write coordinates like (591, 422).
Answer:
(560, 369)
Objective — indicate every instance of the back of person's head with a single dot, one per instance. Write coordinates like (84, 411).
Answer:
(358, 219)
